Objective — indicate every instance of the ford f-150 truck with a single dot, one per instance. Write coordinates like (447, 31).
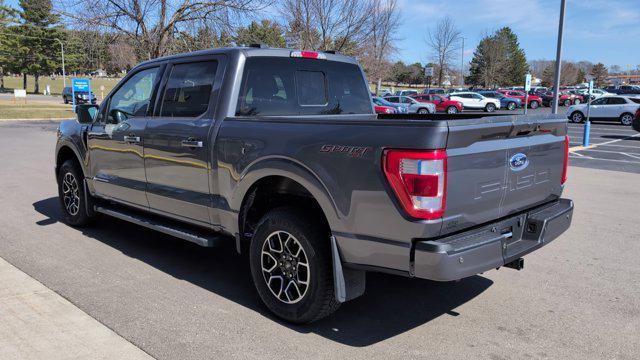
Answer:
(280, 152)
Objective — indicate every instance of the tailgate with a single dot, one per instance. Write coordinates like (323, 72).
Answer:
(501, 165)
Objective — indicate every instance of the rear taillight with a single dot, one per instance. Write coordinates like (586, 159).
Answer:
(308, 55)
(566, 159)
(419, 180)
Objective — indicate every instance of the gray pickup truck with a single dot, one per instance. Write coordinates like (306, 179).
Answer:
(280, 152)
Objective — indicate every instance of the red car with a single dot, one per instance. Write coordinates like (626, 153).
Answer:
(442, 103)
(384, 109)
(534, 101)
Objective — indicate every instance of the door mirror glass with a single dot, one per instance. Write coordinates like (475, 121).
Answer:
(86, 113)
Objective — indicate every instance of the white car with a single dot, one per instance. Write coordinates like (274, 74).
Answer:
(609, 107)
(405, 92)
(473, 100)
(413, 106)
(595, 93)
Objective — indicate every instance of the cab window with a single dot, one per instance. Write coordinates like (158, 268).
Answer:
(133, 97)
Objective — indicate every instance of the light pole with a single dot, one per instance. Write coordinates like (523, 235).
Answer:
(462, 66)
(556, 83)
(64, 75)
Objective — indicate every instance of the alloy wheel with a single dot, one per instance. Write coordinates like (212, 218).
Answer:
(71, 194)
(626, 119)
(285, 267)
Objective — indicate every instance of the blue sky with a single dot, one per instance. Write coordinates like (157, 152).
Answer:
(606, 31)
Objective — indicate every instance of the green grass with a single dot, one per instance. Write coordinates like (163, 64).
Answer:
(15, 82)
(20, 110)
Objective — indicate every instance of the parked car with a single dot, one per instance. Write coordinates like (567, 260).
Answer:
(405, 92)
(82, 97)
(383, 109)
(564, 98)
(509, 103)
(412, 105)
(578, 98)
(615, 107)
(441, 102)
(533, 101)
(595, 93)
(279, 153)
(475, 101)
(624, 89)
(399, 109)
(439, 91)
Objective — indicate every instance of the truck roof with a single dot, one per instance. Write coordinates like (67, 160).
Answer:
(250, 52)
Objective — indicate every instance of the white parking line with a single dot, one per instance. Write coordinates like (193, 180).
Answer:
(613, 160)
(611, 152)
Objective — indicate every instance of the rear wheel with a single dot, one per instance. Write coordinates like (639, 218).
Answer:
(423, 111)
(577, 117)
(71, 194)
(291, 266)
(452, 110)
(626, 119)
(490, 107)
(511, 105)
(65, 100)
(534, 104)
(566, 102)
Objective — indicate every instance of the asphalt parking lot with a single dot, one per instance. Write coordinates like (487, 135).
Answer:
(578, 298)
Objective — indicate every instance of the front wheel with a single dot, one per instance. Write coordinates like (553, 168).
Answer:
(71, 194)
(626, 119)
(534, 104)
(423, 111)
(490, 107)
(577, 117)
(452, 110)
(577, 102)
(65, 100)
(291, 261)
(566, 102)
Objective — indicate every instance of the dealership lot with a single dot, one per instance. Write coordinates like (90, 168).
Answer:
(576, 298)
(612, 147)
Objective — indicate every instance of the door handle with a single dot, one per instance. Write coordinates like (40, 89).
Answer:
(131, 139)
(191, 143)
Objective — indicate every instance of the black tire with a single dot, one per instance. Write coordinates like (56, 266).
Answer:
(423, 111)
(635, 124)
(452, 110)
(72, 197)
(576, 117)
(318, 299)
(566, 102)
(490, 107)
(511, 105)
(626, 119)
(577, 102)
(65, 100)
(534, 104)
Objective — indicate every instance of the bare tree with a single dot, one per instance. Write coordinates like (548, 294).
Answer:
(122, 55)
(443, 41)
(326, 24)
(151, 24)
(380, 42)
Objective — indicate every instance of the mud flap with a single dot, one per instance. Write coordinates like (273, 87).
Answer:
(347, 283)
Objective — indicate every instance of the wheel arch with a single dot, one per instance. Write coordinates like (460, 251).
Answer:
(66, 152)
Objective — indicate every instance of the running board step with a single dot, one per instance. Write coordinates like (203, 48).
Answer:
(201, 237)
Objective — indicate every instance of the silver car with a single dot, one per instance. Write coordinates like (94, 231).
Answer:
(412, 105)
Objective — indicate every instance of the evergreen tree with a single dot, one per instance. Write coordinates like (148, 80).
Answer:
(265, 32)
(517, 66)
(38, 51)
(7, 40)
(599, 73)
(498, 60)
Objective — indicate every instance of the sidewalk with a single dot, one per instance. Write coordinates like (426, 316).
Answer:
(37, 323)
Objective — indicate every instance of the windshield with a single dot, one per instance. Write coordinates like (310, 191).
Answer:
(382, 102)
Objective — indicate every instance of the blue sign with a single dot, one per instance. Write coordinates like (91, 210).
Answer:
(81, 85)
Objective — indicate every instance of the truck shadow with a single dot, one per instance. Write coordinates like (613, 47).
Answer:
(390, 306)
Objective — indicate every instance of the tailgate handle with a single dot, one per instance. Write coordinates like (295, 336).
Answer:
(522, 133)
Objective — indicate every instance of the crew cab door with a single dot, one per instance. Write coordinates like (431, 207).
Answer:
(115, 140)
(178, 140)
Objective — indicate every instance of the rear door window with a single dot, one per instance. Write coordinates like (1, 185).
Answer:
(188, 89)
(278, 86)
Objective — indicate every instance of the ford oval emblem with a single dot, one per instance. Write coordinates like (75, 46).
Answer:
(518, 162)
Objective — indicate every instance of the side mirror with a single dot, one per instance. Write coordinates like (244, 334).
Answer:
(86, 113)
